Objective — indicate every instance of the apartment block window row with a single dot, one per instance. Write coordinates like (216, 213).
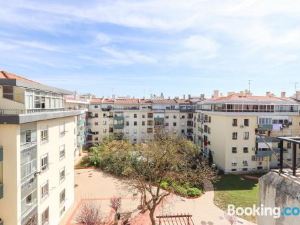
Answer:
(246, 135)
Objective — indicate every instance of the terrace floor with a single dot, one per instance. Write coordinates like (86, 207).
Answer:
(94, 185)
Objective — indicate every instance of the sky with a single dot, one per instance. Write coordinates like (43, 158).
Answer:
(141, 47)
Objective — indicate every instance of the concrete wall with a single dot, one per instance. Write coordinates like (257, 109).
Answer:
(279, 191)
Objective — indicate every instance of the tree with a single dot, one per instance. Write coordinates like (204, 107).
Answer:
(166, 158)
(90, 215)
(155, 169)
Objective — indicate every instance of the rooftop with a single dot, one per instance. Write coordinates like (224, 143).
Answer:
(252, 99)
(11, 79)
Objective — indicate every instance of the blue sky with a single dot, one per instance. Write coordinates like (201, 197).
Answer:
(135, 47)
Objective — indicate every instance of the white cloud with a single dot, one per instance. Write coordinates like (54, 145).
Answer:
(103, 39)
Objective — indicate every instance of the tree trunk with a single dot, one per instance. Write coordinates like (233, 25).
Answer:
(152, 218)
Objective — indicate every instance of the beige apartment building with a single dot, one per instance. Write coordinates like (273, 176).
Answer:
(138, 119)
(37, 144)
(240, 129)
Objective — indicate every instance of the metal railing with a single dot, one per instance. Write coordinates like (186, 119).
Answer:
(29, 111)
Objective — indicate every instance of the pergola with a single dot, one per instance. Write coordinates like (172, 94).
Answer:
(294, 142)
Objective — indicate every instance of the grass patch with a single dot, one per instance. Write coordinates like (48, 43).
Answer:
(236, 190)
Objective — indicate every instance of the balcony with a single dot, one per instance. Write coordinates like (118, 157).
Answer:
(267, 139)
(265, 127)
(28, 111)
(28, 145)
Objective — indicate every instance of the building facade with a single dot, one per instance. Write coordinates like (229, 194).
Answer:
(138, 119)
(240, 130)
(37, 144)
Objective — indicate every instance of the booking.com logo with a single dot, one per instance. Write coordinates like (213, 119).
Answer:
(275, 212)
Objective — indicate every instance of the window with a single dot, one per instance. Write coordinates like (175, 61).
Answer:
(245, 163)
(127, 123)
(96, 139)
(234, 136)
(28, 199)
(234, 164)
(44, 135)
(245, 150)
(62, 175)
(143, 123)
(44, 162)
(166, 124)
(8, 92)
(28, 136)
(246, 136)
(96, 115)
(134, 115)
(62, 129)
(45, 190)
(62, 152)
(143, 116)
(45, 217)
(246, 122)
(150, 115)
(167, 117)
(135, 123)
(96, 123)
(174, 117)
(174, 124)
(234, 122)
(234, 150)
(62, 196)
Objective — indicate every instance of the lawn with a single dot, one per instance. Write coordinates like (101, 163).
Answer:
(234, 189)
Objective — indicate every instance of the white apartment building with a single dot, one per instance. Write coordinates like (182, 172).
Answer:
(37, 144)
(138, 119)
(240, 130)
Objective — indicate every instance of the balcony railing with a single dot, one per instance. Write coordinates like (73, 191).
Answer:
(28, 145)
(28, 111)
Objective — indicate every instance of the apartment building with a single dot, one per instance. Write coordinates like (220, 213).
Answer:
(37, 144)
(138, 119)
(240, 130)
(77, 102)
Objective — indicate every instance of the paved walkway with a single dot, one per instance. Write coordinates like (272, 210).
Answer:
(94, 184)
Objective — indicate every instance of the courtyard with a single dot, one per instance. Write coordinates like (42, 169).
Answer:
(92, 185)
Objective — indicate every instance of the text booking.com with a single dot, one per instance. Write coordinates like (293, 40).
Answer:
(261, 210)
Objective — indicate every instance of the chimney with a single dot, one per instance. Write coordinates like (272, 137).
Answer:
(298, 95)
(216, 94)
(283, 94)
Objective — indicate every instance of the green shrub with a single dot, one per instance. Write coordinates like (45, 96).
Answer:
(193, 192)
(180, 190)
(164, 185)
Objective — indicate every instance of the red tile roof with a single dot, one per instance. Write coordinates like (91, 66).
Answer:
(127, 101)
(236, 97)
(11, 76)
(164, 101)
